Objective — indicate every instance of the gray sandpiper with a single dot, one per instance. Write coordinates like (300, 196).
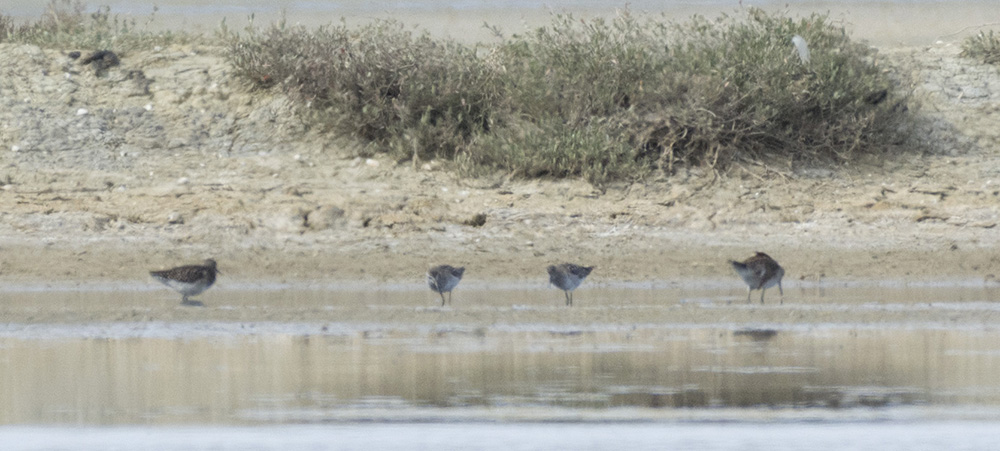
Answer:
(760, 272)
(442, 279)
(567, 277)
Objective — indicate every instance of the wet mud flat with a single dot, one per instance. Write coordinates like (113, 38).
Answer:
(290, 355)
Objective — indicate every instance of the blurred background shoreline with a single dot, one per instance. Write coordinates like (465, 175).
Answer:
(881, 23)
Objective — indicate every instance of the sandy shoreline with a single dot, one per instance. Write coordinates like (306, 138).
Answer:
(194, 165)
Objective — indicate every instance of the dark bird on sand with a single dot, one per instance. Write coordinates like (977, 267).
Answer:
(101, 60)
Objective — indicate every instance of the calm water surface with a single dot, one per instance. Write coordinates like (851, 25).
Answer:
(532, 375)
(289, 356)
(899, 436)
(642, 366)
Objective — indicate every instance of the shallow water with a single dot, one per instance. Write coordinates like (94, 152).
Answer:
(534, 375)
(942, 304)
(896, 436)
(626, 352)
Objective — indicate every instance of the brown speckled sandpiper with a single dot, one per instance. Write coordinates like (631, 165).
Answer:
(188, 280)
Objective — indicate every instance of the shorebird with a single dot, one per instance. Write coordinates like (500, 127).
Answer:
(443, 279)
(101, 60)
(188, 280)
(802, 48)
(760, 272)
(567, 277)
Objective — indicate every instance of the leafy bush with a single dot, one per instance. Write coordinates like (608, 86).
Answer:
(766, 103)
(983, 46)
(405, 93)
(553, 148)
(606, 100)
(65, 24)
(6, 27)
(573, 88)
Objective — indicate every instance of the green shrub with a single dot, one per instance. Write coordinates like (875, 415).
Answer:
(604, 100)
(983, 46)
(6, 27)
(709, 92)
(66, 25)
(554, 148)
(573, 87)
(405, 93)
(765, 103)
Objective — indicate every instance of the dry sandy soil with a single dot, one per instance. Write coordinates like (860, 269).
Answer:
(168, 159)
